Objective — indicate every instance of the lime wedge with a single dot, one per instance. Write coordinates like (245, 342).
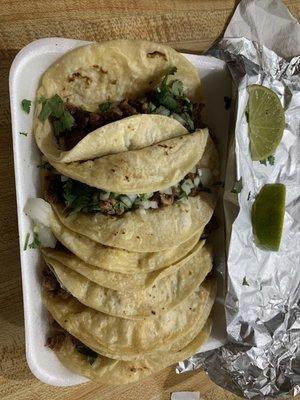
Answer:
(267, 216)
(266, 121)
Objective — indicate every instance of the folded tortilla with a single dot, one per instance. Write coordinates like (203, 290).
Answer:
(126, 339)
(115, 372)
(144, 231)
(165, 293)
(146, 170)
(118, 260)
(110, 71)
(109, 279)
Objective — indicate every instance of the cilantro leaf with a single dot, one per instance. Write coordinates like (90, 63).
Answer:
(166, 100)
(26, 241)
(90, 354)
(170, 98)
(45, 111)
(23, 133)
(35, 244)
(151, 107)
(78, 196)
(245, 283)
(177, 88)
(105, 106)
(26, 105)
(62, 120)
(238, 186)
(171, 71)
(189, 122)
(270, 160)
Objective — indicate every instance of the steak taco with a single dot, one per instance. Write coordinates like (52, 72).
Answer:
(126, 339)
(83, 95)
(84, 361)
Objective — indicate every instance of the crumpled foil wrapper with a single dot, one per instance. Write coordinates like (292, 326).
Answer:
(262, 357)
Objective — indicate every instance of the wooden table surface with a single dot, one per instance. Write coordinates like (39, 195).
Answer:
(187, 25)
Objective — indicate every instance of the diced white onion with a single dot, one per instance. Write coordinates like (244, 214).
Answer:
(39, 211)
(149, 204)
(187, 186)
(205, 176)
(161, 110)
(46, 237)
(132, 197)
(104, 196)
(167, 191)
(197, 181)
(126, 200)
(178, 118)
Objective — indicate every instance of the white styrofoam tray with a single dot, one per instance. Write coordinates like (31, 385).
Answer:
(26, 71)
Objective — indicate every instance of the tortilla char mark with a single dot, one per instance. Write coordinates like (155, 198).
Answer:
(78, 75)
(157, 54)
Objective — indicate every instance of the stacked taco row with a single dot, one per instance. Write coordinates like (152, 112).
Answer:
(128, 180)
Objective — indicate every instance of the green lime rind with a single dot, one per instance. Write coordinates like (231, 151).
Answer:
(268, 215)
(266, 121)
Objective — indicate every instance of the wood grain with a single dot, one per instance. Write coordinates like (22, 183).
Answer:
(187, 25)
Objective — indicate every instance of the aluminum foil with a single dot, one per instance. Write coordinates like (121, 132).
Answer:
(262, 357)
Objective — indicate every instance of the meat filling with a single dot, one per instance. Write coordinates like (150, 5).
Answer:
(72, 123)
(51, 285)
(76, 196)
(86, 121)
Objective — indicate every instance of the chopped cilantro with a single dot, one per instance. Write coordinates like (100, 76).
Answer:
(26, 241)
(177, 88)
(270, 160)
(151, 107)
(86, 351)
(170, 99)
(264, 162)
(245, 283)
(227, 102)
(26, 104)
(238, 186)
(78, 196)
(35, 244)
(62, 120)
(23, 133)
(105, 106)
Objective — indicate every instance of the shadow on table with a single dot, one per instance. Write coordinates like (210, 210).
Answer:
(12, 351)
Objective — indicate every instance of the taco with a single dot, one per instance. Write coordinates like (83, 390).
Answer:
(117, 260)
(65, 260)
(84, 361)
(144, 231)
(146, 170)
(86, 91)
(127, 339)
(163, 294)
